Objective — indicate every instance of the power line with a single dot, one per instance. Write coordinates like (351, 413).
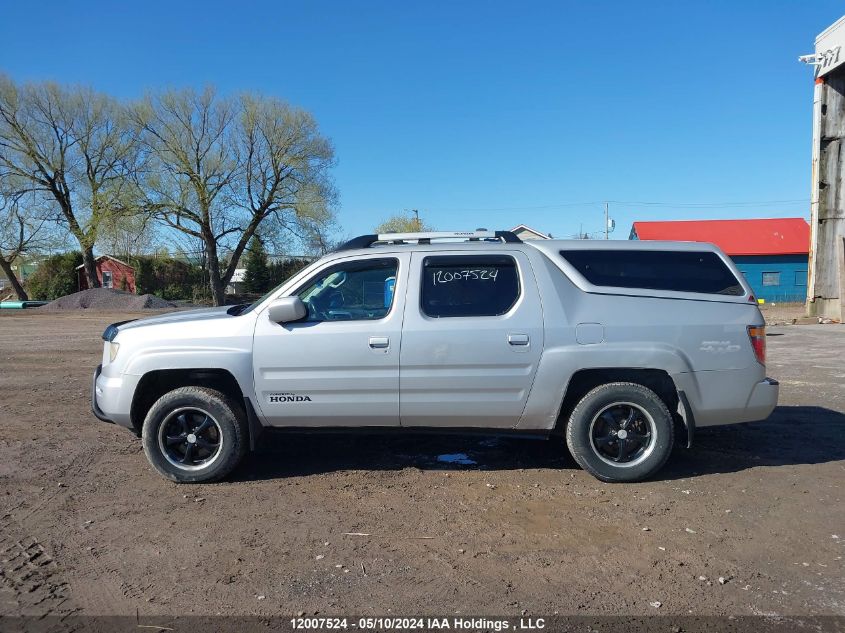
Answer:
(711, 204)
(689, 205)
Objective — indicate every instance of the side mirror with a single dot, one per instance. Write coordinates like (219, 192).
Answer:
(287, 309)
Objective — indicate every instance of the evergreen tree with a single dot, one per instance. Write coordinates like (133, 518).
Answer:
(257, 276)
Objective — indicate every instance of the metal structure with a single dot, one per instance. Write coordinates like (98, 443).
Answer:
(826, 281)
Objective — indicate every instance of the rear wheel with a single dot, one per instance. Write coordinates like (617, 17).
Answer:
(620, 432)
(194, 435)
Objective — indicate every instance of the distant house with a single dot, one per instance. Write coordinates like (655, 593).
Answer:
(21, 269)
(527, 233)
(236, 283)
(772, 253)
(111, 273)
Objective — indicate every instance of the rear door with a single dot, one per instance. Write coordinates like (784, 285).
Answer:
(472, 339)
(339, 366)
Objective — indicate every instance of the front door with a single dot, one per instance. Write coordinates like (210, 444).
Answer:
(339, 366)
(472, 339)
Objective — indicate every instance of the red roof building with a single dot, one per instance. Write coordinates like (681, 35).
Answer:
(772, 236)
(111, 272)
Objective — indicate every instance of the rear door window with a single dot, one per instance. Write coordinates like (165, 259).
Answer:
(468, 285)
(678, 271)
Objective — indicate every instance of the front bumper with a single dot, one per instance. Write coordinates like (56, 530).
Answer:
(95, 408)
(111, 396)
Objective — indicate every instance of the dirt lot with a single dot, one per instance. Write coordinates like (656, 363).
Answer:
(782, 313)
(87, 527)
(785, 313)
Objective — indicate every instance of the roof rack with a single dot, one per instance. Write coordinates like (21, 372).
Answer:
(365, 241)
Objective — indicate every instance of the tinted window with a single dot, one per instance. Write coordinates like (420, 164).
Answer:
(680, 271)
(471, 285)
(353, 291)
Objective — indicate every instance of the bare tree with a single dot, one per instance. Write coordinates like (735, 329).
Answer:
(22, 230)
(219, 168)
(126, 235)
(73, 145)
(403, 224)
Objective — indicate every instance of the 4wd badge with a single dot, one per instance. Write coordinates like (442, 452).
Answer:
(275, 398)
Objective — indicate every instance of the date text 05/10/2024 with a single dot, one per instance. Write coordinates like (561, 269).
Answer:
(418, 623)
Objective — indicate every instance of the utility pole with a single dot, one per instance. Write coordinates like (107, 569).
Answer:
(606, 222)
(416, 218)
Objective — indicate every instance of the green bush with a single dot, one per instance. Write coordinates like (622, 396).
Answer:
(55, 277)
(284, 269)
(173, 291)
(201, 294)
(257, 275)
(166, 277)
(145, 281)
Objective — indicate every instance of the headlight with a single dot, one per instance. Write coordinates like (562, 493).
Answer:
(113, 347)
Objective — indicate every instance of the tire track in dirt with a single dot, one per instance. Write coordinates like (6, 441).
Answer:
(31, 582)
(96, 588)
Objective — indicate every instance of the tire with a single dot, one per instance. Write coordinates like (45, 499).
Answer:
(612, 444)
(209, 422)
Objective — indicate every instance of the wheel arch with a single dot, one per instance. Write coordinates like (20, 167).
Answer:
(156, 383)
(584, 380)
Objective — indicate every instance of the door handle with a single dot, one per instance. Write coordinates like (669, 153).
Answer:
(518, 339)
(379, 342)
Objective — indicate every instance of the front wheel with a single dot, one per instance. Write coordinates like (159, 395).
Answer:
(620, 432)
(194, 435)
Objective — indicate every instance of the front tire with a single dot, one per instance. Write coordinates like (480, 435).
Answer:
(620, 432)
(195, 435)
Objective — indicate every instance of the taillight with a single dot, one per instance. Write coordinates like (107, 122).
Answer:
(758, 342)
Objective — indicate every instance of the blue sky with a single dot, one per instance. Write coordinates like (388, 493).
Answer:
(485, 113)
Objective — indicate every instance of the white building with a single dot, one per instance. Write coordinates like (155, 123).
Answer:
(524, 232)
(236, 283)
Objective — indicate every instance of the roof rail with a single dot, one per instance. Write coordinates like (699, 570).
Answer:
(365, 241)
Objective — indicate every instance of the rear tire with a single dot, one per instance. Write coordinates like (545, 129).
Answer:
(620, 432)
(195, 435)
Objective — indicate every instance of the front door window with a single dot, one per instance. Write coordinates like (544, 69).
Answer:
(352, 291)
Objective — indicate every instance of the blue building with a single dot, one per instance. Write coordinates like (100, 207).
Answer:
(772, 253)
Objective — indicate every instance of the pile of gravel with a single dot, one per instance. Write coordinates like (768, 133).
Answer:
(107, 299)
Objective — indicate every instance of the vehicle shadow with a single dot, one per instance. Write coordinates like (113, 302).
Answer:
(296, 455)
(792, 435)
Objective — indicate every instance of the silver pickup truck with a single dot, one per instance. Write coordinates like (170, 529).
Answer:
(617, 346)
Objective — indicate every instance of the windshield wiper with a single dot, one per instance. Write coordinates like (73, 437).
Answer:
(238, 309)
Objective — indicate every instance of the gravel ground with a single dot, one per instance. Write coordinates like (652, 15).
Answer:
(749, 521)
(107, 299)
